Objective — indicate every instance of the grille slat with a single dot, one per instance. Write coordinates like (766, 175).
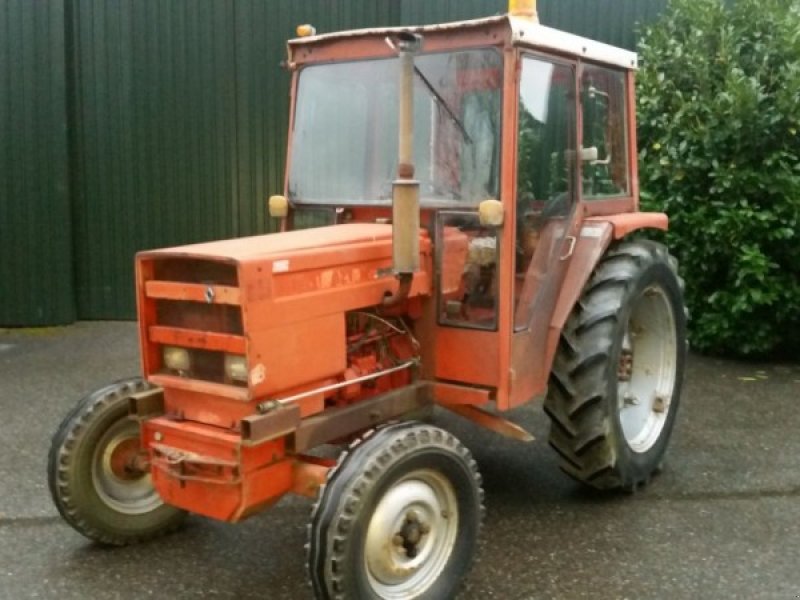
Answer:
(204, 340)
(192, 292)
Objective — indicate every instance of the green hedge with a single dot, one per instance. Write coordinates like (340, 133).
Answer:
(719, 132)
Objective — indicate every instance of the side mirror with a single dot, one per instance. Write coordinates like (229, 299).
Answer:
(278, 207)
(491, 213)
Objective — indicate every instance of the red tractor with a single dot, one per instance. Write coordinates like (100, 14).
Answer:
(480, 263)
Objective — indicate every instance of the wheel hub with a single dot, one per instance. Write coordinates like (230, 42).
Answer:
(118, 474)
(124, 459)
(411, 535)
(647, 370)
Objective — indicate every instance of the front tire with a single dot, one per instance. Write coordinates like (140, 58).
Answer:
(90, 473)
(616, 379)
(399, 518)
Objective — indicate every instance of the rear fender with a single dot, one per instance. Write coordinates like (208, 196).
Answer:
(594, 239)
(625, 223)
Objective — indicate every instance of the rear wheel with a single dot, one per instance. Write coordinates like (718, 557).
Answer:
(398, 518)
(94, 474)
(616, 379)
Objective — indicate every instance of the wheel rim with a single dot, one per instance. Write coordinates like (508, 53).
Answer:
(647, 369)
(411, 535)
(118, 484)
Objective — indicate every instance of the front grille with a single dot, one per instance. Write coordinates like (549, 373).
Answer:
(176, 295)
(219, 318)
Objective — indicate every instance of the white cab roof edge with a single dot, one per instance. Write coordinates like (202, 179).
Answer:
(535, 35)
(524, 32)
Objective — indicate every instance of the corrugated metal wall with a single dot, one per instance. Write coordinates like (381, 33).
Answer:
(35, 267)
(611, 21)
(181, 126)
(421, 12)
(155, 137)
(262, 87)
(177, 127)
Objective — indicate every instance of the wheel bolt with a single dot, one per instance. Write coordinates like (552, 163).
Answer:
(412, 517)
(398, 540)
(424, 528)
(630, 400)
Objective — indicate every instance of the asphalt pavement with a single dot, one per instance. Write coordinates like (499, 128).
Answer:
(721, 521)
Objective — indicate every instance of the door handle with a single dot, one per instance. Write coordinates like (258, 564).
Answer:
(572, 240)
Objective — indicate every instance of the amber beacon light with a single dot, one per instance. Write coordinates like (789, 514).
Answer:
(306, 30)
(523, 8)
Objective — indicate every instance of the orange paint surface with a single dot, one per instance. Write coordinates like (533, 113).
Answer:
(207, 471)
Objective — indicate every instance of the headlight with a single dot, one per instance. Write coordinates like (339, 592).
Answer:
(236, 367)
(176, 359)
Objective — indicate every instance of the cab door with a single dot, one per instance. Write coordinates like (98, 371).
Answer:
(545, 217)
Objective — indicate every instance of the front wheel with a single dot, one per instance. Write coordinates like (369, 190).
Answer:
(398, 518)
(93, 475)
(616, 379)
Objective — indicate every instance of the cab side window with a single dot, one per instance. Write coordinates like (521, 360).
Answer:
(603, 100)
(545, 176)
(546, 134)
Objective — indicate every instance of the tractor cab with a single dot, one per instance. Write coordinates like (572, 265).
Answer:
(508, 115)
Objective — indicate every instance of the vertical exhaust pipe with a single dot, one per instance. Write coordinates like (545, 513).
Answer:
(405, 189)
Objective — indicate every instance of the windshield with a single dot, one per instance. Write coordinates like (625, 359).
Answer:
(344, 145)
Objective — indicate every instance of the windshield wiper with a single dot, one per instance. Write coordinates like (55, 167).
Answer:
(435, 93)
(443, 103)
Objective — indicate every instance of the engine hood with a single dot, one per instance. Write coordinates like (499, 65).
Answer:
(277, 299)
(350, 262)
(278, 245)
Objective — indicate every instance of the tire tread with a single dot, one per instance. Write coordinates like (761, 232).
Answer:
(62, 447)
(580, 430)
(408, 437)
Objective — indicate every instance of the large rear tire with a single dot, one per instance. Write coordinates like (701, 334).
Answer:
(92, 477)
(398, 518)
(616, 380)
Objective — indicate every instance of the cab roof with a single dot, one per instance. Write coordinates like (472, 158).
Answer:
(522, 32)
